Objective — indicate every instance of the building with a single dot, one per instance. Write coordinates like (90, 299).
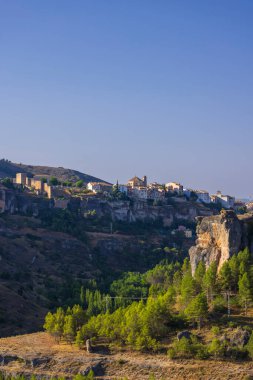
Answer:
(21, 179)
(48, 189)
(140, 192)
(203, 196)
(174, 187)
(38, 185)
(188, 234)
(226, 201)
(155, 194)
(137, 182)
(123, 189)
(155, 185)
(33, 183)
(96, 187)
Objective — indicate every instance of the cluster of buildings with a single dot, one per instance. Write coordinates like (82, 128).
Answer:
(136, 188)
(36, 184)
(139, 188)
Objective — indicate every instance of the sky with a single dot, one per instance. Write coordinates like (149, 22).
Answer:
(119, 88)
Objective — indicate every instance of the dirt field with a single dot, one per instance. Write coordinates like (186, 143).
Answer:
(39, 354)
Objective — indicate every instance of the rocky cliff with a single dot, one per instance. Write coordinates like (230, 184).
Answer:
(139, 210)
(221, 236)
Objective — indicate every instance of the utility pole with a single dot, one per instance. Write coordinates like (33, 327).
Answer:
(228, 300)
(107, 303)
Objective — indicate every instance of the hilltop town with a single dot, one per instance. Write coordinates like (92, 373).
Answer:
(63, 191)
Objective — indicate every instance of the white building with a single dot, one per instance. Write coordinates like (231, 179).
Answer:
(98, 186)
(188, 234)
(140, 192)
(203, 196)
(225, 200)
(174, 187)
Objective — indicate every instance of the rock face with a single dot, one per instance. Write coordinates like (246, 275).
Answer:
(138, 210)
(219, 237)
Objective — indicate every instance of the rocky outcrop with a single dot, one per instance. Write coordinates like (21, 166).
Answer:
(219, 237)
(141, 210)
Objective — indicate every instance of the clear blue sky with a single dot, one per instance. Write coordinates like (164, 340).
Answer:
(116, 88)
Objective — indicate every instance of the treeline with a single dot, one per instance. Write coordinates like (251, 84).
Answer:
(153, 304)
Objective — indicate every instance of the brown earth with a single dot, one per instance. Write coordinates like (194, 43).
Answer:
(39, 354)
(41, 269)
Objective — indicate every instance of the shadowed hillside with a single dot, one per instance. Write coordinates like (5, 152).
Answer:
(9, 169)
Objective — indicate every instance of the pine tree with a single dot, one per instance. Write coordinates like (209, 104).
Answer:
(199, 274)
(249, 346)
(80, 338)
(69, 329)
(234, 267)
(188, 288)
(209, 281)
(225, 277)
(82, 296)
(245, 294)
(197, 309)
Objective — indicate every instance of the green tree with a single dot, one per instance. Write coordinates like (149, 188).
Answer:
(69, 331)
(79, 183)
(199, 274)
(209, 281)
(80, 338)
(234, 268)
(53, 181)
(186, 267)
(249, 346)
(183, 348)
(197, 309)
(82, 295)
(245, 294)
(188, 288)
(216, 348)
(225, 277)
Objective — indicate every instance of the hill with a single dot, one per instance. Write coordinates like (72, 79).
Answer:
(42, 268)
(9, 169)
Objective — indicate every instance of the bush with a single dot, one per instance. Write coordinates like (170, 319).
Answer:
(215, 331)
(183, 348)
(216, 348)
(219, 305)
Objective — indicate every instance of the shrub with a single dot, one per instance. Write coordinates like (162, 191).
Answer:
(215, 331)
(216, 348)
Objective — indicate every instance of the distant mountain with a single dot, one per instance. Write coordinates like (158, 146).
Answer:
(9, 169)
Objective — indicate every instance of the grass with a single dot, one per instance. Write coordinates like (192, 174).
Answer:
(66, 360)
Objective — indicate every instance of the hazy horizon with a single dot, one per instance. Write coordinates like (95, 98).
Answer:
(115, 89)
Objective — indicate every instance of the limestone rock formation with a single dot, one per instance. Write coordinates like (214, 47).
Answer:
(219, 237)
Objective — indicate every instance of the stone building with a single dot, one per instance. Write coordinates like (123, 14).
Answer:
(137, 182)
(21, 179)
(174, 187)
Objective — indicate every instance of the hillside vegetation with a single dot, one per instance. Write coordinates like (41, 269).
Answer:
(170, 299)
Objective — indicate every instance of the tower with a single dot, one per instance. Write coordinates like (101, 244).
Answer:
(144, 179)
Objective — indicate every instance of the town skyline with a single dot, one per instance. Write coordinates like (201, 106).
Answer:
(150, 180)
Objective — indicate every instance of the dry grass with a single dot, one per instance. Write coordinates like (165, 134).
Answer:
(65, 360)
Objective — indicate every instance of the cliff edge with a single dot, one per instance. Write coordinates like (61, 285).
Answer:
(221, 236)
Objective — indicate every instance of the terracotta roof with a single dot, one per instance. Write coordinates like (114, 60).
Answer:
(134, 179)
